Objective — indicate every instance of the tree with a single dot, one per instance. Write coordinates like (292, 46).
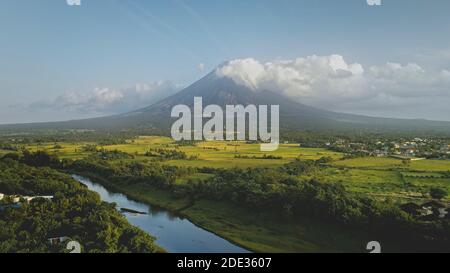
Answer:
(438, 193)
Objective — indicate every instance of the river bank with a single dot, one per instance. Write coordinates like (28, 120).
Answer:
(245, 228)
(172, 231)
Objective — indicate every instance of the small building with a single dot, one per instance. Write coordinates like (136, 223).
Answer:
(438, 209)
(412, 209)
(443, 213)
(433, 205)
(58, 240)
(15, 199)
(2, 196)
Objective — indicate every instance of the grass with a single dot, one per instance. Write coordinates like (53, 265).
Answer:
(371, 162)
(423, 185)
(67, 151)
(431, 165)
(220, 154)
(383, 176)
(365, 181)
(246, 228)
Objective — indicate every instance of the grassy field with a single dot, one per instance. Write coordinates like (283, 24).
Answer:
(66, 151)
(389, 177)
(210, 154)
(365, 181)
(372, 162)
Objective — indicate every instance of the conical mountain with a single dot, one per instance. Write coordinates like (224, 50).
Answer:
(223, 91)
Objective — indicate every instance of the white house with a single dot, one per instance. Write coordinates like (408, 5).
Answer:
(442, 212)
(17, 198)
(58, 240)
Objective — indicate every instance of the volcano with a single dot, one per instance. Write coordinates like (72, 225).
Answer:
(224, 91)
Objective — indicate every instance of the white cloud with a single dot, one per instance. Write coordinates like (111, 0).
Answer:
(331, 82)
(312, 76)
(109, 100)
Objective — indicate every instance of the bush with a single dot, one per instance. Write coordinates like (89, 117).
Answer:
(438, 193)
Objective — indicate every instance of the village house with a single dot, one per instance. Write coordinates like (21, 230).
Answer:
(412, 209)
(428, 211)
(438, 208)
(17, 198)
(58, 240)
(443, 213)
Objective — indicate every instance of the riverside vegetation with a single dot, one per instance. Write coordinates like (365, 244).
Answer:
(293, 200)
(74, 213)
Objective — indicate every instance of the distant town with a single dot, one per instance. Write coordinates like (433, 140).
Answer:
(408, 149)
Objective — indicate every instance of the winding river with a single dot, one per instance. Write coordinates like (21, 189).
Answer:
(173, 233)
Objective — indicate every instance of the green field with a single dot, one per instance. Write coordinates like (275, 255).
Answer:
(377, 176)
(372, 163)
(390, 177)
(210, 154)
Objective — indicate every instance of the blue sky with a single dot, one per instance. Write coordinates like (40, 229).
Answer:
(51, 52)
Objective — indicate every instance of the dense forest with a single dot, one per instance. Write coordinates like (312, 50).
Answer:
(74, 212)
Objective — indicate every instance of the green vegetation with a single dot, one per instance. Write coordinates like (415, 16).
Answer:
(73, 212)
(438, 193)
(269, 195)
(296, 199)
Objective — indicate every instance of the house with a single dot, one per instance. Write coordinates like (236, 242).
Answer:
(58, 240)
(443, 213)
(428, 211)
(433, 205)
(379, 153)
(412, 209)
(15, 199)
(438, 209)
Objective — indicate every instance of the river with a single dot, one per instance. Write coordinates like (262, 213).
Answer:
(172, 232)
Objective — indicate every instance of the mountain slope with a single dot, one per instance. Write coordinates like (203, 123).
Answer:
(224, 91)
